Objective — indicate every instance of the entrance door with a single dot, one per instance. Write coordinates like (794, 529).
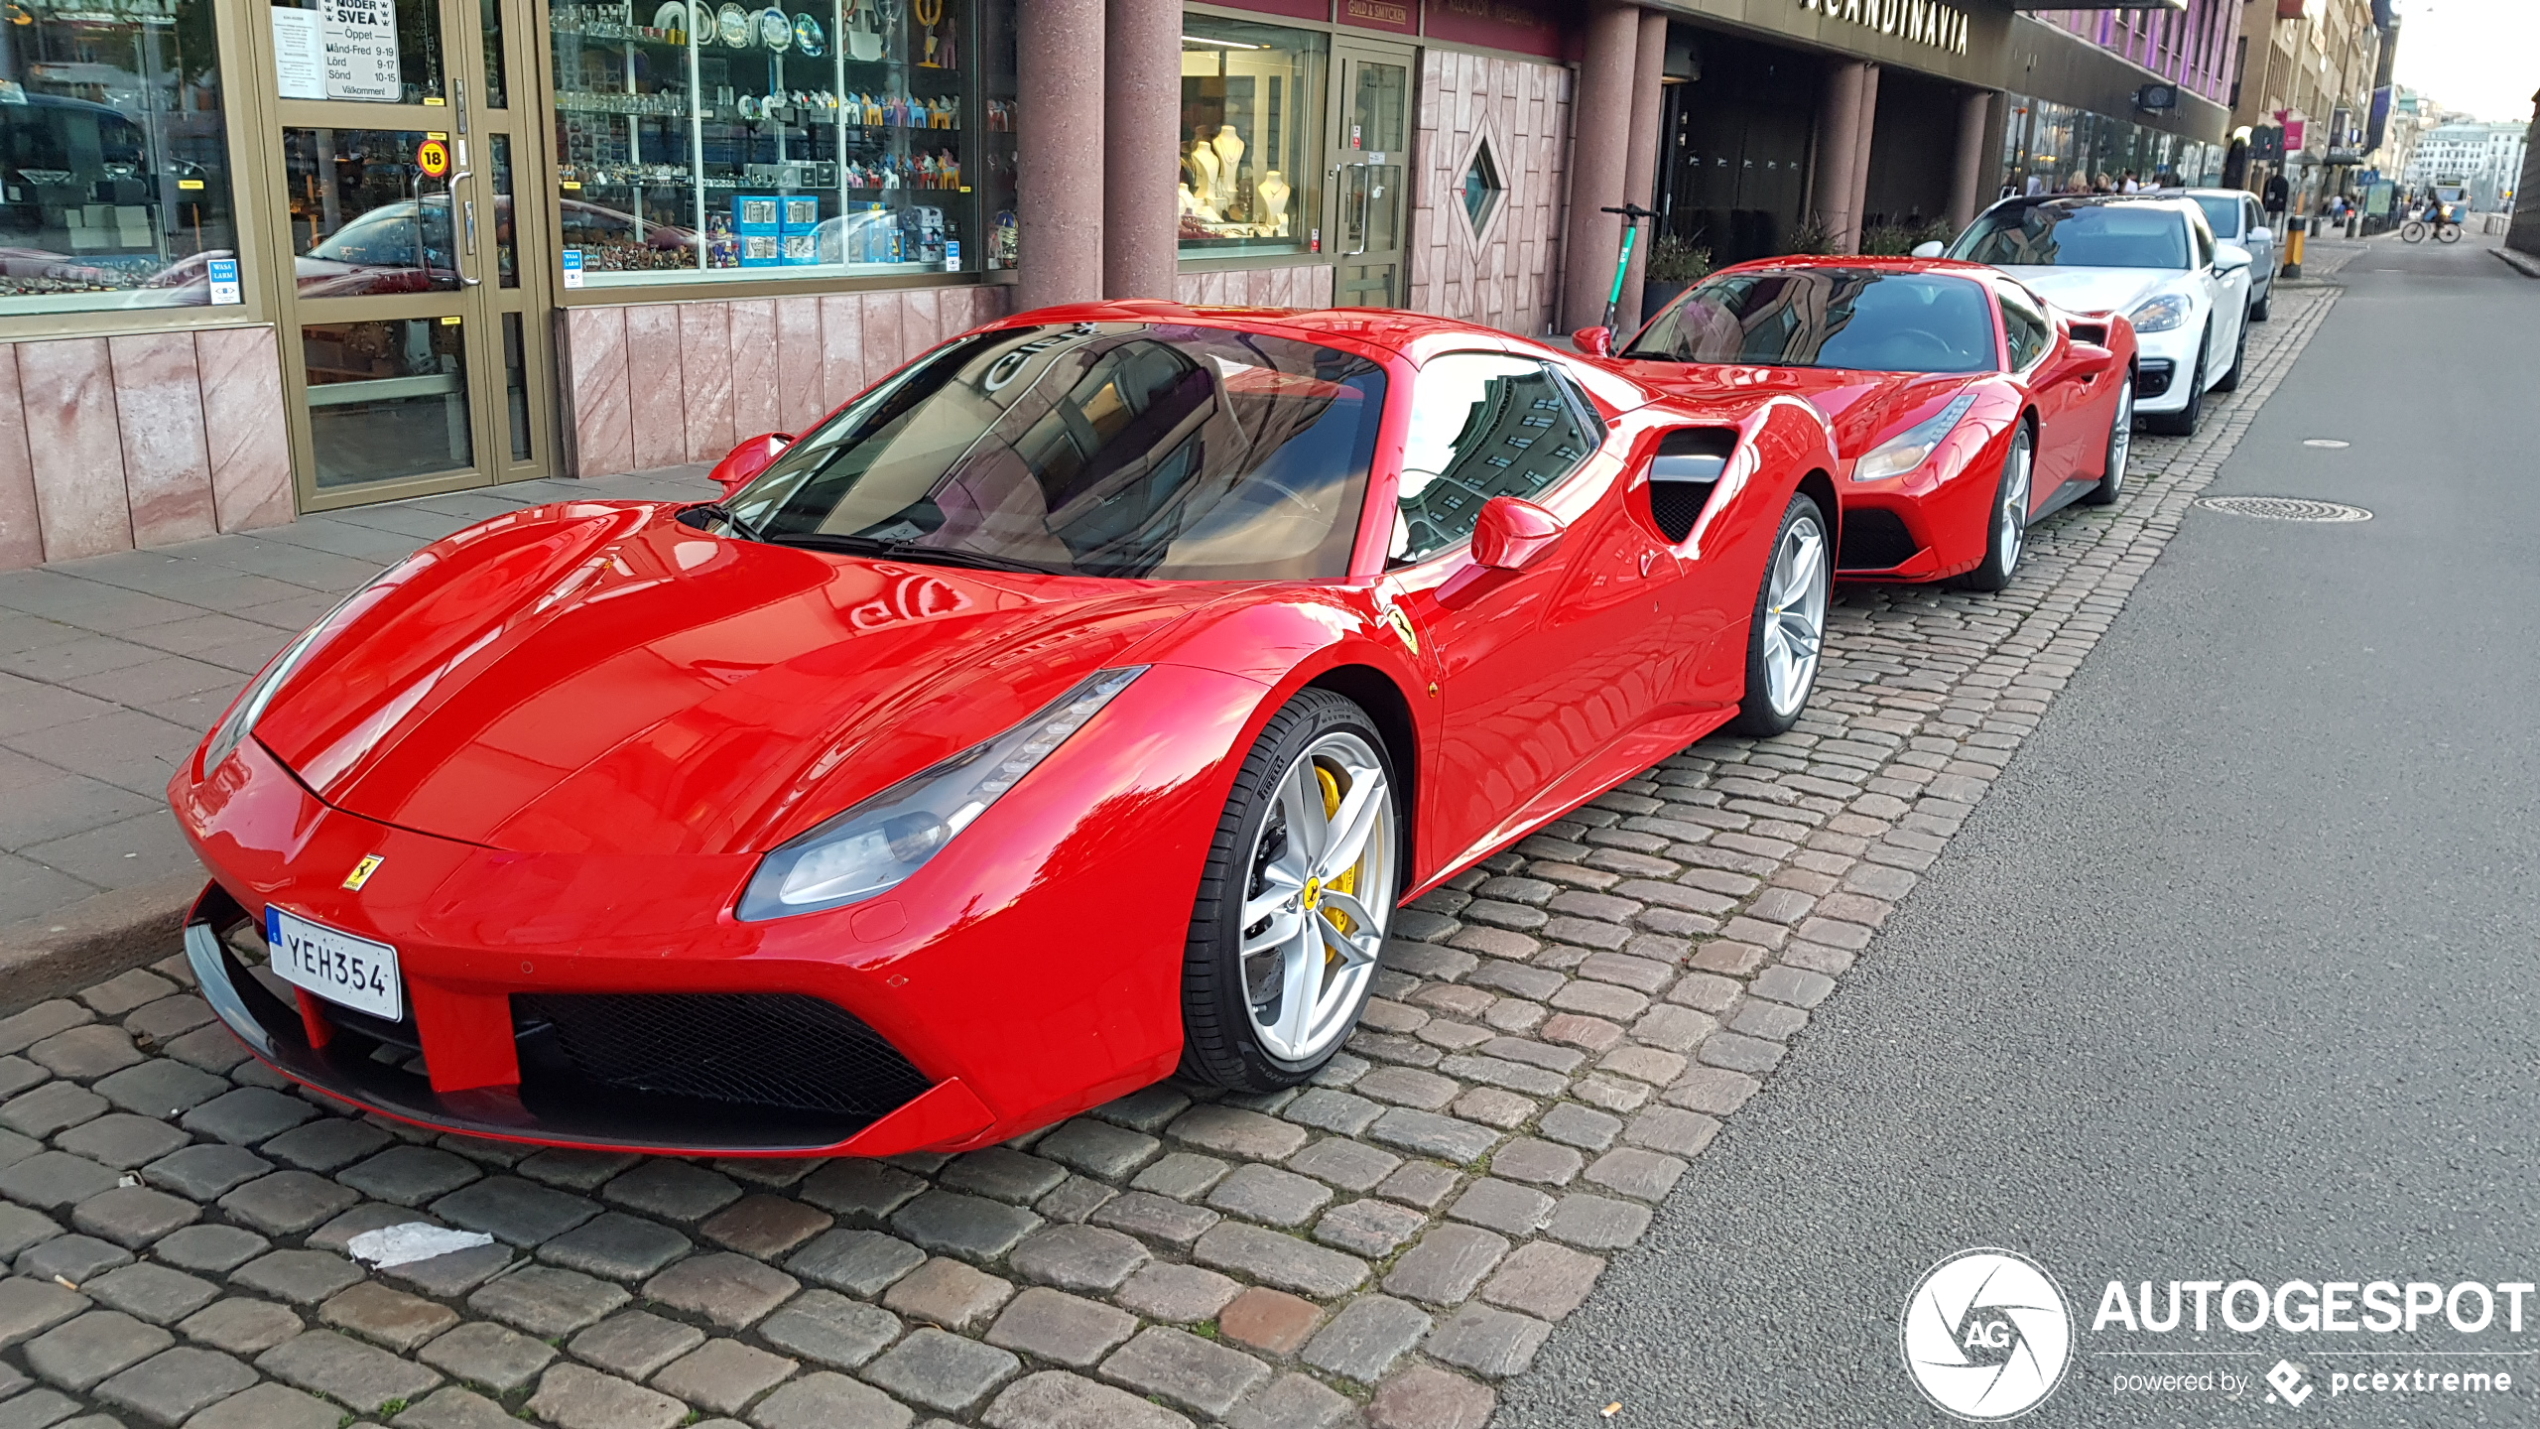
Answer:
(1371, 138)
(414, 336)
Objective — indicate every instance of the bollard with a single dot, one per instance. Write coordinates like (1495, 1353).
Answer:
(2295, 231)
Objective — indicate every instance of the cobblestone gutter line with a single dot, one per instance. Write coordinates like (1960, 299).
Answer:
(1554, 1036)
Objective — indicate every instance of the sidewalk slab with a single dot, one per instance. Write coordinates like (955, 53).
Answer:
(112, 667)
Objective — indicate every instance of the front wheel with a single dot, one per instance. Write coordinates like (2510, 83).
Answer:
(2007, 536)
(2182, 423)
(2239, 361)
(2413, 231)
(2264, 308)
(2120, 450)
(1294, 900)
(1788, 634)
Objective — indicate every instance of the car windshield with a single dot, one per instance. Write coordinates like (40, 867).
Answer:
(2222, 211)
(2091, 236)
(1156, 451)
(1863, 318)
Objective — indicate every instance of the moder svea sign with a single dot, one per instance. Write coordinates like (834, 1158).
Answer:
(1922, 22)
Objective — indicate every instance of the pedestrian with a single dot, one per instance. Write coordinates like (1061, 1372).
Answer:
(2279, 194)
(2130, 184)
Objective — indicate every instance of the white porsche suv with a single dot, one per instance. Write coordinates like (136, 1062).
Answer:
(2155, 260)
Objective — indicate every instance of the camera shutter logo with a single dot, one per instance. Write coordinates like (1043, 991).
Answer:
(1987, 1335)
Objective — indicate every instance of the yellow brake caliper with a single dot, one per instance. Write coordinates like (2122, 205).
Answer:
(1346, 882)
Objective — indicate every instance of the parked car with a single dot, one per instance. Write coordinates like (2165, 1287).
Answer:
(2155, 260)
(1076, 705)
(1964, 406)
(2236, 218)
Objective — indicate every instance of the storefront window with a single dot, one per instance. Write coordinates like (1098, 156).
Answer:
(114, 170)
(1252, 163)
(698, 141)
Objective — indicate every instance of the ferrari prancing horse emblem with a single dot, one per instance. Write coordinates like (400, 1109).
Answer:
(1401, 624)
(362, 871)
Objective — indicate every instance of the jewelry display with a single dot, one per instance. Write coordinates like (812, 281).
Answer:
(741, 135)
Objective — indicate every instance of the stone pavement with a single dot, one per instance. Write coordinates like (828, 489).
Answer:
(1554, 1037)
(111, 668)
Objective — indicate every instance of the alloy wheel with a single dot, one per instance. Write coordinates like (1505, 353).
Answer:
(2013, 516)
(1795, 614)
(2121, 440)
(1322, 887)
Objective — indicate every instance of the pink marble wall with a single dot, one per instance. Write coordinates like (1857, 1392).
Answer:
(244, 433)
(1507, 275)
(143, 439)
(21, 534)
(696, 377)
(1290, 286)
(167, 469)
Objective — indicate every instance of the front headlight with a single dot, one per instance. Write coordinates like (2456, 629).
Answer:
(234, 728)
(880, 843)
(2166, 313)
(1913, 446)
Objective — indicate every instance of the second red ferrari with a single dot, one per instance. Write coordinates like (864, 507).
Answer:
(1965, 407)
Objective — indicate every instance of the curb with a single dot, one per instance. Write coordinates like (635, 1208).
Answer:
(70, 948)
(2522, 263)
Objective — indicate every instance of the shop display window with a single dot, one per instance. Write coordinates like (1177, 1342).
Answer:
(698, 141)
(1251, 138)
(114, 164)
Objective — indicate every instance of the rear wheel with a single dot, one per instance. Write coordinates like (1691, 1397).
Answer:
(2448, 233)
(2182, 423)
(2120, 450)
(2008, 536)
(1293, 903)
(1788, 633)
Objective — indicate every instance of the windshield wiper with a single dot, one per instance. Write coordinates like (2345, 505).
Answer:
(723, 513)
(911, 551)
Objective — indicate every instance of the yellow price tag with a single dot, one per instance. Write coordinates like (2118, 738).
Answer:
(451, 321)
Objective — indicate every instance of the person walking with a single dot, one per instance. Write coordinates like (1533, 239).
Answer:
(2278, 195)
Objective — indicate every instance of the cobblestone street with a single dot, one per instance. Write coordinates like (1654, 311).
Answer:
(1554, 1038)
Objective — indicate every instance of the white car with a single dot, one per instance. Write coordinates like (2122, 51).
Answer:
(2155, 260)
(2237, 218)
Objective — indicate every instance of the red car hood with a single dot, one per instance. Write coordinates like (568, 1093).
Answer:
(1863, 407)
(599, 678)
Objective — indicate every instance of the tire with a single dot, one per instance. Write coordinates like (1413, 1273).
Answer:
(2448, 233)
(2006, 533)
(2182, 423)
(1238, 1031)
(1786, 639)
(2120, 451)
(2264, 308)
(2239, 361)
(2413, 231)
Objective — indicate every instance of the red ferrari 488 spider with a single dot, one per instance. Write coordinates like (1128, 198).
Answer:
(1965, 407)
(1077, 704)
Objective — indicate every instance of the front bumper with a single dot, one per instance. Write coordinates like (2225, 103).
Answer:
(1919, 527)
(2164, 362)
(1013, 982)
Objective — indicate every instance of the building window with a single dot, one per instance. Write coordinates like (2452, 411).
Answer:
(114, 162)
(1482, 188)
(1251, 137)
(705, 142)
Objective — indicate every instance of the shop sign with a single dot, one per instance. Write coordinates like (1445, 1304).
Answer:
(433, 157)
(1516, 25)
(222, 275)
(1399, 16)
(1921, 22)
(361, 49)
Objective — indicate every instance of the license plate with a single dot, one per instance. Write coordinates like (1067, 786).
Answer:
(337, 966)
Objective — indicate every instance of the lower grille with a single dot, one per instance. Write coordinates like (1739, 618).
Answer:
(781, 1051)
(2151, 379)
(1875, 540)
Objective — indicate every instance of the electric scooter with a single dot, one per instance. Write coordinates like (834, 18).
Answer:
(1632, 215)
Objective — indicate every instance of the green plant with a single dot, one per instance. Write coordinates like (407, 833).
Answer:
(1895, 240)
(1811, 236)
(1672, 260)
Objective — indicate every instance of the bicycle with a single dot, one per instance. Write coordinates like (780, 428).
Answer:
(2415, 230)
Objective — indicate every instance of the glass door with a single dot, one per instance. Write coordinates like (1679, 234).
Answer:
(1371, 138)
(414, 333)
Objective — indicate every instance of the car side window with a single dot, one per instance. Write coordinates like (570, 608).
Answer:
(2025, 324)
(2250, 219)
(1482, 425)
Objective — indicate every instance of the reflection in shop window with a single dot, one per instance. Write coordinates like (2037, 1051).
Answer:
(712, 141)
(1252, 100)
(114, 172)
(360, 51)
(365, 219)
(387, 399)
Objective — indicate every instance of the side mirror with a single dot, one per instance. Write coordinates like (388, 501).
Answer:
(1594, 341)
(2262, 234)
(1930, 250)
(743, 463)
(1512, 534)
(2231, 258)
(2092, 352)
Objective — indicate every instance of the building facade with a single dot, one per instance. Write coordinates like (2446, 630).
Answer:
(263, 260)
(2484, 160)
(2310, 71)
